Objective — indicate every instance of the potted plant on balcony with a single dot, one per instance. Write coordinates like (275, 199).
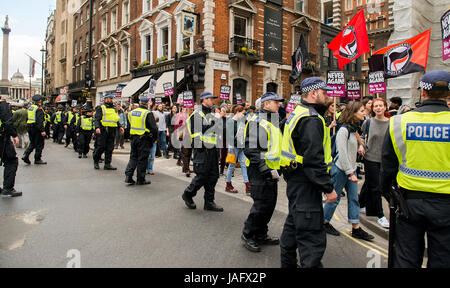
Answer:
(310, 67)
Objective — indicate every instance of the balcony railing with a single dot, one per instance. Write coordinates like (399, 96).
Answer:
(245, 47)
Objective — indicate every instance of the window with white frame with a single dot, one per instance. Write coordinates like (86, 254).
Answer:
(81, 17)
(81, 45)
(125, 12)
(113, 63)
(240, 26)
(148, 48)
(104, 65)
(94, 68)
(147, 6)
(114, 20)
(348, 5)
(359, 2)
(299, 5)
(104, 26)
(164, 42)
(125, 67)
(87, 40)
(76, 22)
(75, 48)
(93, 36)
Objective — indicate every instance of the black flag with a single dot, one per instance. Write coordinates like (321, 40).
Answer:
(299, 59)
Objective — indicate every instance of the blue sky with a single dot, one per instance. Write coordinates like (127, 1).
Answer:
(28, 22)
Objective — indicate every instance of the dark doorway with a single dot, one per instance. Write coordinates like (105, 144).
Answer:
(239, 87)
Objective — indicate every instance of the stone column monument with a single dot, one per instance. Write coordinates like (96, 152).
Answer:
(4, 82)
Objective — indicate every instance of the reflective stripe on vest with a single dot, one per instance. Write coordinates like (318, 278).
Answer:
(422, 145)
(272, 156)
(288, 153)
(86, 123)
(209, 138)
(32, 114)
(110, 117)
(137, 119)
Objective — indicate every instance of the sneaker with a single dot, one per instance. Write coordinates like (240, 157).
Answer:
(383, 222)
(330, 229)
(250, 244)
(361, 234)
(10, 193)
(362, 210)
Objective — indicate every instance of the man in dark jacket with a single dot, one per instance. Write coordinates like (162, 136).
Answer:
(36, 132)
(8, 154)
(303, 229)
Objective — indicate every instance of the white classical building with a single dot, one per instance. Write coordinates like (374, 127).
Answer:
(19, 89)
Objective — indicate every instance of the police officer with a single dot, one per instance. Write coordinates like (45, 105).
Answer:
(143, 131)
(84, 130)
(36, 132)
(58, 127)
(8, 154)
(262, 149)
(203, 129)
(47, 122)
(68, 116)
(306, 158)
(106, 122)
(73, 127)
(416, 154)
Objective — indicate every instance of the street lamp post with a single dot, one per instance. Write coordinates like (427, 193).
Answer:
(42, 69)
(88, 74)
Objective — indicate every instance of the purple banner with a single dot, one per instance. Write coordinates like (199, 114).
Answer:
(353, 89)
(225, 92)
(376, 82)
(445, 25)
(188, 99)
(336, 80)
(295, 99)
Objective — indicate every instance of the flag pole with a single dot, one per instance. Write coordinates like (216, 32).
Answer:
(334, 115)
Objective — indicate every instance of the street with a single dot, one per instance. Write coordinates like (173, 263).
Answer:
(68, 208)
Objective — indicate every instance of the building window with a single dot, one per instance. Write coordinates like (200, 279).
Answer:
(272, 87)
(125, 59)
(299, 5)
(104, 26)
(328, 13)
(113, 63)
(114, 20)
(93, 36)
(164, 42)
(125, 13)
(326, 55)
(297, 34)
(87, 40)
(94, 69)
(87, 13)
(348, 5)
(147, 5)
(104, 64)
(186, 43)
(75, 48)
(76, 22)
(359, 3)
(94, 9)
(81, 45)
(148, 49)
(81, 18)
(240, 26)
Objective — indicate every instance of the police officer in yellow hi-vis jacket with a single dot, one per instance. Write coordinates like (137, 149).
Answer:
(306, 161)
(262, 149)
(143, 131)
(36, 131)
(416, 154)
(106, 122)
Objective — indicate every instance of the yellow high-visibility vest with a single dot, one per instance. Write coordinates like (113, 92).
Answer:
(422, 144)
(58, 117)
(86, 123)
(32, 114)
(137, 119)
(210, 138)
(110, 117)
(272, 156)
(288, 153)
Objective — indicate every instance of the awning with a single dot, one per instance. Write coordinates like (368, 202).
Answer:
(135, 86)
(166, 78)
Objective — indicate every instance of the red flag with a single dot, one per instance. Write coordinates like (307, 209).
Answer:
(352, 42)
(403, 58)
(32, 66)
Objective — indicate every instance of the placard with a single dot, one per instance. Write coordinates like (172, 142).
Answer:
(74, 103)
(151, 88)
(376, 82)
(353, 89)
(168, 89)
(445, 26)
(225, 92)
(238, 98)
(188, 99)
(294, 101)
(119, 90)
(158, 100)
(336, 80)
(180, 99)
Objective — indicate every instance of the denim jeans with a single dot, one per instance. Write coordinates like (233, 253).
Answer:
(151, 158)
(162, 141)
(241, 157)
(341, 181)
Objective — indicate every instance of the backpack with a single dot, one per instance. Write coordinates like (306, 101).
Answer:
(334, 152)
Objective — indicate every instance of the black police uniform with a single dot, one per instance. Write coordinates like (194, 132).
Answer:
(428, 212)
(263, 189)
(303, 229)
(73, 127)
(70, 129)
(84, 138)
(206, 162)
(58, 128)
(37, 141)
(105, 140)
(140, 151)
(8, 154)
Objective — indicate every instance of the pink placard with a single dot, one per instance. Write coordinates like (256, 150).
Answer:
(336, 80)
(445, 26)
(188, 99)
(225, 92)
(376, 82)
(353, 89)
(295, 99)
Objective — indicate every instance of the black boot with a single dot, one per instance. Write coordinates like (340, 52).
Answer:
(250, 244)
(26, 160)
(211, 206)
(109, 167)
(96, 166)
(189, 202)
(39, 162)
(129, 180)
(144, 182)
(80, 156)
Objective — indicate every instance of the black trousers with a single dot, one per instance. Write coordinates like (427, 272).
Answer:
(83, 142)
(47, 130)
(264, 194)
(140, 149)
(370, 196)
(206, 168)
(303, 229)
(105, 144)
(69, 135)
(430, 216)
(37, 142)
(59, 132)
(9, 160)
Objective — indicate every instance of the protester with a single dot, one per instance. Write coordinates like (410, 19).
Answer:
(329, 115)
(120, 137)
(396, 102)
(170, 124)
(374, 129)
(223, 139)
(344, 169)
(162, 129)
(367, 103)
(19, 119)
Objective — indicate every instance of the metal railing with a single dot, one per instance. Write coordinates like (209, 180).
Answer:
(245, 46)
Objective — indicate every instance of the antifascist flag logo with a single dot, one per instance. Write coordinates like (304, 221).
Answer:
(397, 59)
(403, 58)
(299, 66)
(349, 44)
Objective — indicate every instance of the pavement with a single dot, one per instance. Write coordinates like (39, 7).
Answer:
(69, 207)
